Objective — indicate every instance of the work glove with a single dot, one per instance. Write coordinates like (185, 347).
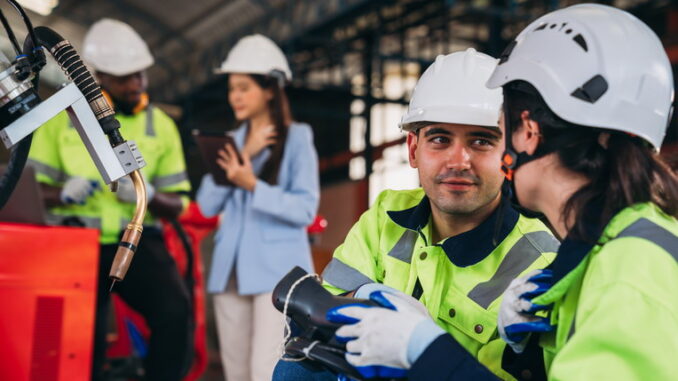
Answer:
(77, 189)
(384, 341)
(517, 314)
(364, 291)
(126, 192)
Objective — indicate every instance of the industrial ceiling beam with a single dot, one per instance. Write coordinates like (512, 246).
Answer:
(128, 7)
(305, 15)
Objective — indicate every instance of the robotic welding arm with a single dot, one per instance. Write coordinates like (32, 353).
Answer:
(22, 112)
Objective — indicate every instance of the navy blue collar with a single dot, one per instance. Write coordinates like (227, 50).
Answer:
(573, 251)
(470, 247)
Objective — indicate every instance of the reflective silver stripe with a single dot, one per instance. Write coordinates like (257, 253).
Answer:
(47, 170)
(165, 181)
(528, 248)
(53, 219)
(646, 229)
(150, 130)
(341, 275)
(404, 247)
(543, 241)
(89, 222)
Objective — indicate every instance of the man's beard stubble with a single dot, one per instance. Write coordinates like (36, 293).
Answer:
(462, 203)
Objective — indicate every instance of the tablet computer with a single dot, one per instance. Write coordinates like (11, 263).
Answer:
(209, 144)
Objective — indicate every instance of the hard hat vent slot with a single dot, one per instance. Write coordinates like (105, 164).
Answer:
(592, 90)
(579, 39)
(541, 27)
(507, 52)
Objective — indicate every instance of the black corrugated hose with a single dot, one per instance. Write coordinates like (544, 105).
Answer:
(70, 62)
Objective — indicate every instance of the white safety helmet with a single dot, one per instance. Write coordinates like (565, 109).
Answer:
(595, 66)
(256, 54)
(113, 47)
(452, 90)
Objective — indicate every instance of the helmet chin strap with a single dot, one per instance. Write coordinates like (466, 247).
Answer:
(510, 162)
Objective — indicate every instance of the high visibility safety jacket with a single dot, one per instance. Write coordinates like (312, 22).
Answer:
(460, 280)
(616, 303)
(57, 153)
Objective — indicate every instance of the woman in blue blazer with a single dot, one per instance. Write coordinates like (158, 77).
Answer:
(275, 193)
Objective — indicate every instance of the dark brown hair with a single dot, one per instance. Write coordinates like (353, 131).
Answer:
(279, 108)
(624, 173)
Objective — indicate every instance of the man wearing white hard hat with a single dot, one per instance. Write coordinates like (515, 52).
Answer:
(448, 249)
(76, 195)
(588, 94)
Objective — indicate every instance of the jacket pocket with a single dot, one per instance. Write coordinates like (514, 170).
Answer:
(462, 314)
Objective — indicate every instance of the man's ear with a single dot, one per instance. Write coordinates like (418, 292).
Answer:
(529, 133)
(412, 142)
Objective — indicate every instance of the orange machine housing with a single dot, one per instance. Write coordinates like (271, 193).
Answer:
(48, 292)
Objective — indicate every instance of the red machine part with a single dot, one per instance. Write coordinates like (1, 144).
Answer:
(318, 225)
(197, 227)
(48, 292)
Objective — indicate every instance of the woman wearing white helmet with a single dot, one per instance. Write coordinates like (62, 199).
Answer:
(587, 92)
(273, 198)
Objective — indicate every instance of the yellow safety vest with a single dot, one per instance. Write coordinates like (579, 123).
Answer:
(460, 280)
(57, 153)
(616, 310)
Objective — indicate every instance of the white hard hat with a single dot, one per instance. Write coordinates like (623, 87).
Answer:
(452, 90)
(113, 47)
(595, 66)
(255, 54)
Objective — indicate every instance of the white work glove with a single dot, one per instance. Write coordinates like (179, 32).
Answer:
(77, 189)
(384, 342)
(517, 319)
(126, 192)
(364, 291)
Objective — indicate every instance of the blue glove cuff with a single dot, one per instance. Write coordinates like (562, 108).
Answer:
(516, 333)
(422, 336)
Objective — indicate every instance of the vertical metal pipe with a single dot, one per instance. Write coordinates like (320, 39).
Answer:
(495, 43)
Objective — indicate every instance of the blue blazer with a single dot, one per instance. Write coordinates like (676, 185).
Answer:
(263, 233)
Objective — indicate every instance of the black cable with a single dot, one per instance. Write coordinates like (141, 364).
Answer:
(190, 255)
(24, 16)
(15, 167)
(10, 33)
(70, 62)
(19, 155)
(189, 281)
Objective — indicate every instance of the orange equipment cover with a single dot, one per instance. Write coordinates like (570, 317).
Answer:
(48, 291)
